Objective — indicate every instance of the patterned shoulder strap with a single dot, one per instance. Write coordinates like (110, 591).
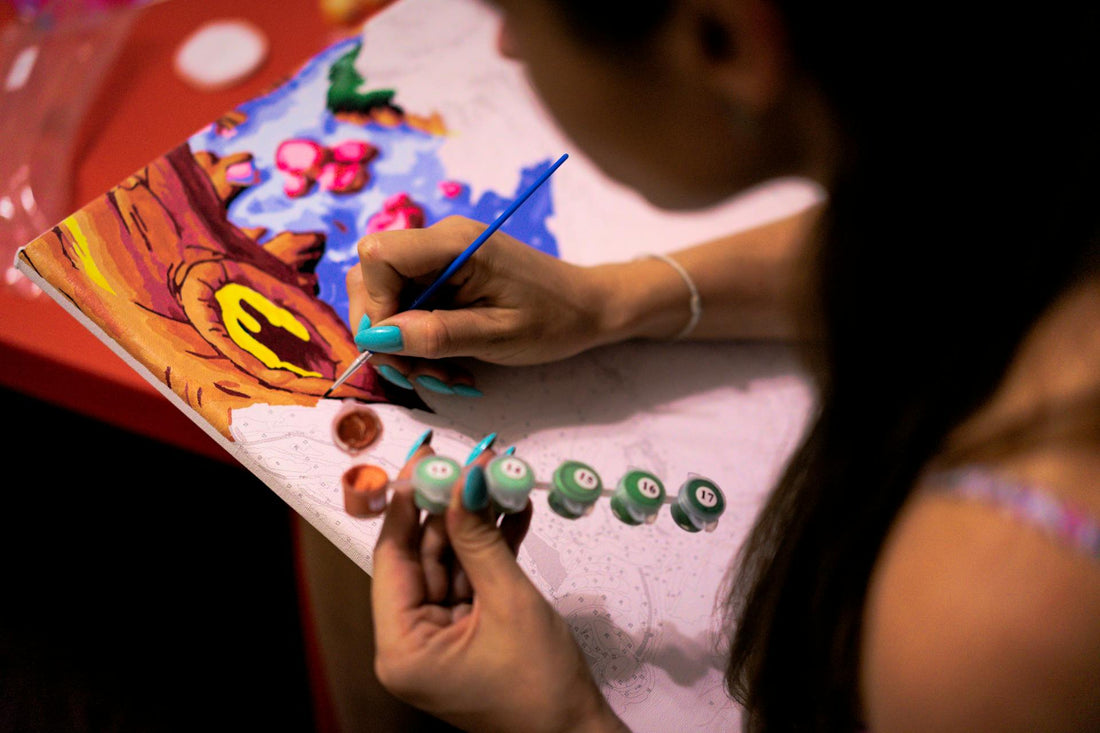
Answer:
(1026, 503)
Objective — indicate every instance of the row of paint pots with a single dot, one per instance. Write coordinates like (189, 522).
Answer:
(573, 490)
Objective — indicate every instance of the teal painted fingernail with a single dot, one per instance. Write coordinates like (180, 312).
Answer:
(424, 439)
(475, 493)
(383, 339)
(481, 447)
(392, 375)
(466, 390)
(364, 324)
(433, 384)
(511, 451)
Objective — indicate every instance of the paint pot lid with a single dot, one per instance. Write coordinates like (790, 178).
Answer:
(577, 481)
(703, 497)
(509, 474)
(221, 53)
(643, 489)
(434, 476)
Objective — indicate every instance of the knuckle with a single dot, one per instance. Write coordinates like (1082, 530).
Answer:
(354, 277)
(371, 249)
(461, 226)
(435, 338)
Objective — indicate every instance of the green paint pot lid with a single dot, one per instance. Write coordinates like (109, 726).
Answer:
(578, 481)
(703, 497)
(510, 475)
(643, 488)
(434, 476)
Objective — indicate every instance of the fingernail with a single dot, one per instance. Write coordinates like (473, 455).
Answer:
(435, 385)
(481, 447)
(510, 451)
(466, 390)
(383, 339)
(424, 439)
(364, 324)
(475, 493)
(392, 375)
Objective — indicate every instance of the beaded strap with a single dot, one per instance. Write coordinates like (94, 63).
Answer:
(1029, 504)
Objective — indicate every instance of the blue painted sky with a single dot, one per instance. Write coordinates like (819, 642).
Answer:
(407, 161)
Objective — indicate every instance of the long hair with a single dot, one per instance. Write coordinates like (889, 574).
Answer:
(965, 201)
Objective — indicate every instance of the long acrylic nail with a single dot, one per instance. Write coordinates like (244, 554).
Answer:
(481, 447)
(465, 390)
(475, 493)
(511, 451)
(395, 377)
(433, 384)
(424, 439)
(364, 324)
(383, 339)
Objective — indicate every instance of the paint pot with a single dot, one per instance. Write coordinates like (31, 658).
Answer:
(510, 481)
(576, 487)
(699, 504)
(638, 497)
(355, 428)
(433, 479)
(365, 490)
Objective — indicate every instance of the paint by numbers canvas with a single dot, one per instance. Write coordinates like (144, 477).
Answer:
(217, 271)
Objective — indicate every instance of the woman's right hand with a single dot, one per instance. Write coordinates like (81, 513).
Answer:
(460, 629)
(509, 304)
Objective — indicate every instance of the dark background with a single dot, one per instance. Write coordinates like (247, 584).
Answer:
(143, 587)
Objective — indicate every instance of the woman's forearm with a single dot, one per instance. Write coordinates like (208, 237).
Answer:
(744, 280)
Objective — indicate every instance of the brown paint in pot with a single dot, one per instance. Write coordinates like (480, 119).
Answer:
(365, 490)
(355, 428)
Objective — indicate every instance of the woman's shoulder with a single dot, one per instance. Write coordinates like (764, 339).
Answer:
(984, 607)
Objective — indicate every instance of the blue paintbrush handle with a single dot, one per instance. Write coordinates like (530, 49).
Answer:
(459, 261)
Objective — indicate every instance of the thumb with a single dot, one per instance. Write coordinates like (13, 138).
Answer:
(482, 549)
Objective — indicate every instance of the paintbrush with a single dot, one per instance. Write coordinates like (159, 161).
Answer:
(458, 262)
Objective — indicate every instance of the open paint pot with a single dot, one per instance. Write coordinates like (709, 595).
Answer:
(355, 428)
(365, 490)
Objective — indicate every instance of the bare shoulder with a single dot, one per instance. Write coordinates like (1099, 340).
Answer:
(975, 621)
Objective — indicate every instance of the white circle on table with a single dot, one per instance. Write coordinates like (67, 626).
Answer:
(221, 53)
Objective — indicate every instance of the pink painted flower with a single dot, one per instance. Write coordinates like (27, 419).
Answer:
(398, 212)
(450, 189)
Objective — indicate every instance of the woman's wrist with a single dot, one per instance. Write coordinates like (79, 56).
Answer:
(646, 298)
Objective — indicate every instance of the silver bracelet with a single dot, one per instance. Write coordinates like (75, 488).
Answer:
(695, 302)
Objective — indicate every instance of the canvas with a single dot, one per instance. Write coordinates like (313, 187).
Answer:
(218, 269)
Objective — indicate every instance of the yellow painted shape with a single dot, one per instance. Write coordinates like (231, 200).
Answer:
(83, 253)
(240, 325)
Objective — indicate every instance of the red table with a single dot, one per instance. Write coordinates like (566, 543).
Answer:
(142, 110)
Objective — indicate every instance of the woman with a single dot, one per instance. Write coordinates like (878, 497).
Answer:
(948, 301)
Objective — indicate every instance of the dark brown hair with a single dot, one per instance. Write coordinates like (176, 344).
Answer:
(966, 201)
